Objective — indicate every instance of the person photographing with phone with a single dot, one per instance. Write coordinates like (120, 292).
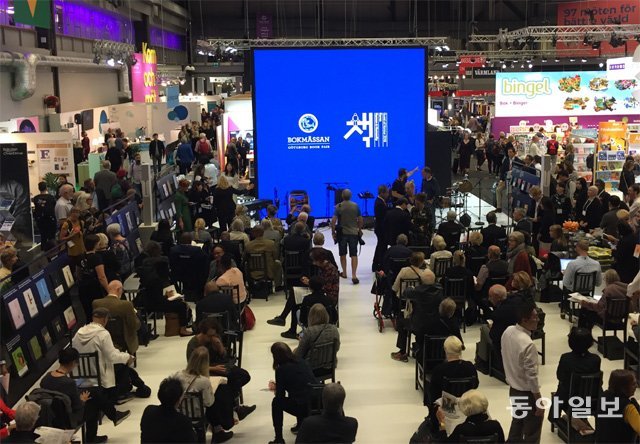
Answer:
(346, 229)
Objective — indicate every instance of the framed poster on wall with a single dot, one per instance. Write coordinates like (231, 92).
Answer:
(57, 158)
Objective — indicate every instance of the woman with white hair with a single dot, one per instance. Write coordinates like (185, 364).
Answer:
(474, 404)
(453, 368)
(440, 252)
(237, 231)
(27, 415)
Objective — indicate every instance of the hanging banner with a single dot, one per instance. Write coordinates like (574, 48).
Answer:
(264, 26)
(15, 208)
(144, 85)
(598, 13)
(33, 12)
(173, 96)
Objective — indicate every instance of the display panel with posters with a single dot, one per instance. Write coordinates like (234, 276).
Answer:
(612, 150)
(56, 157)
(312, 140)
(15, 208)
(521, 94)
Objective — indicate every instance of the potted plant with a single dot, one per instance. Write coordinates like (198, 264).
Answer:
(51, 102)
(51, 179)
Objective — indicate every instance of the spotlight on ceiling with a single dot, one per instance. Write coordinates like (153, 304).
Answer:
(530, 65)
(596, 45)
(111, 62)
(616, 41)
(504, 66)
(543, 60)
(200, 52)
(556, 60)
(571, 59)
(600, 64)
(583, 60)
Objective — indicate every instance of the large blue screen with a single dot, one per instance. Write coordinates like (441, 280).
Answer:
(337, 115)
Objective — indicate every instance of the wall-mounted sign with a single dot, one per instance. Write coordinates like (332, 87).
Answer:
(144, 85)
(470, 61)
(264, 26)
(585, 93)
(483, 73)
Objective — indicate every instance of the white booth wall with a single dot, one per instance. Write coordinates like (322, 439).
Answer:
(79, 89)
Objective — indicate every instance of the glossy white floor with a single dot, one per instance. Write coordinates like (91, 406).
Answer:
(380, 391)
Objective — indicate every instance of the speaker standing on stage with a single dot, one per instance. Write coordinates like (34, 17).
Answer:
(346, 228)
(380, 211)
(398, 189)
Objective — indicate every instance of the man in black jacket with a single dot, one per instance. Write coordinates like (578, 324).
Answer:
(492, 232)
(397, 221)
(156, 152)
(431, 188)
(380, 211)
(451, 230)
(505, 178)
(189, 266)
(332, 425)
(216, 302)
(590, 213)
(299, 241)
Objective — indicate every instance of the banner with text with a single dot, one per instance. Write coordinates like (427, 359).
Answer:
(563, 94)
(144, 85)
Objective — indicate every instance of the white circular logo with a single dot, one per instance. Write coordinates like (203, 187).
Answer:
(308, 123)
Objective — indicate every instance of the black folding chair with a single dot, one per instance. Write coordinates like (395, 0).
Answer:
(192, 406)
(458, 386)
(539, 333)
(115, 327)
(489, 439)
(432, 355)
(475, 263)
(615, 318)
(88, 369)
(441, 265)
(256, 267)
(456, 289)
(322, 360)
(293, 266)
(315, 401)
(585, 284)
(587, 388)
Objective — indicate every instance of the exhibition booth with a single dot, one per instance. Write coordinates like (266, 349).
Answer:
(598, 112)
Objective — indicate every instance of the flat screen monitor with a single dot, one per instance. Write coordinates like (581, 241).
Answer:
(337, 118)
(564, 263)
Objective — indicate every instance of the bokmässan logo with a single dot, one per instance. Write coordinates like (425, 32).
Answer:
(308, 123)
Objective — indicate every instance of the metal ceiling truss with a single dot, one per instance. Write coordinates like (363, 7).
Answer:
(243, 44)
(565, 34)
(526, 53)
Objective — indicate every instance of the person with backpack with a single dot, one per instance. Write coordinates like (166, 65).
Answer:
(44, 214)
(120, 247)
(203, 149)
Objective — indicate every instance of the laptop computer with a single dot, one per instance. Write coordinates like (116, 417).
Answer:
(564, 263)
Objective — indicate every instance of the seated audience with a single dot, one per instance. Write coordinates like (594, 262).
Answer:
(188, 266)
(415, 270)
(453, 368)
(27, 415)
(94, 337)
(124, 310)
(214, 301)
(444, 323)
(211, 335)
(200, 234)
(425, 300)
(231, 276)
(619, 419)
(583, 264)
(439, 245)
(155, 279)
(317, 296)
(474, 405)
(86, 403)
(476, 251)
(319, 331)
(217, 253)
(592, 312)
(291, 388)
(272, 215)
(497, 294)
(260, 244)
(237, 233)
(270, 232)
(164, 423)
(494, 268)
(459, 271)
(451, 230)
(195, 379)
(492, 232)
(318, 243)
(522, 285)
(298, 241)
(578, 361)
(504, 316)
(332, 426)
(398, 251)
(328, 274)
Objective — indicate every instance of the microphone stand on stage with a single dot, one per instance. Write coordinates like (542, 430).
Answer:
(479, 223)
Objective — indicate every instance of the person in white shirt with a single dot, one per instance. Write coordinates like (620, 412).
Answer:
(534, 148)
(633, 194)
(94, 337)
(520, 359)
(63, 204)
(583, 264)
